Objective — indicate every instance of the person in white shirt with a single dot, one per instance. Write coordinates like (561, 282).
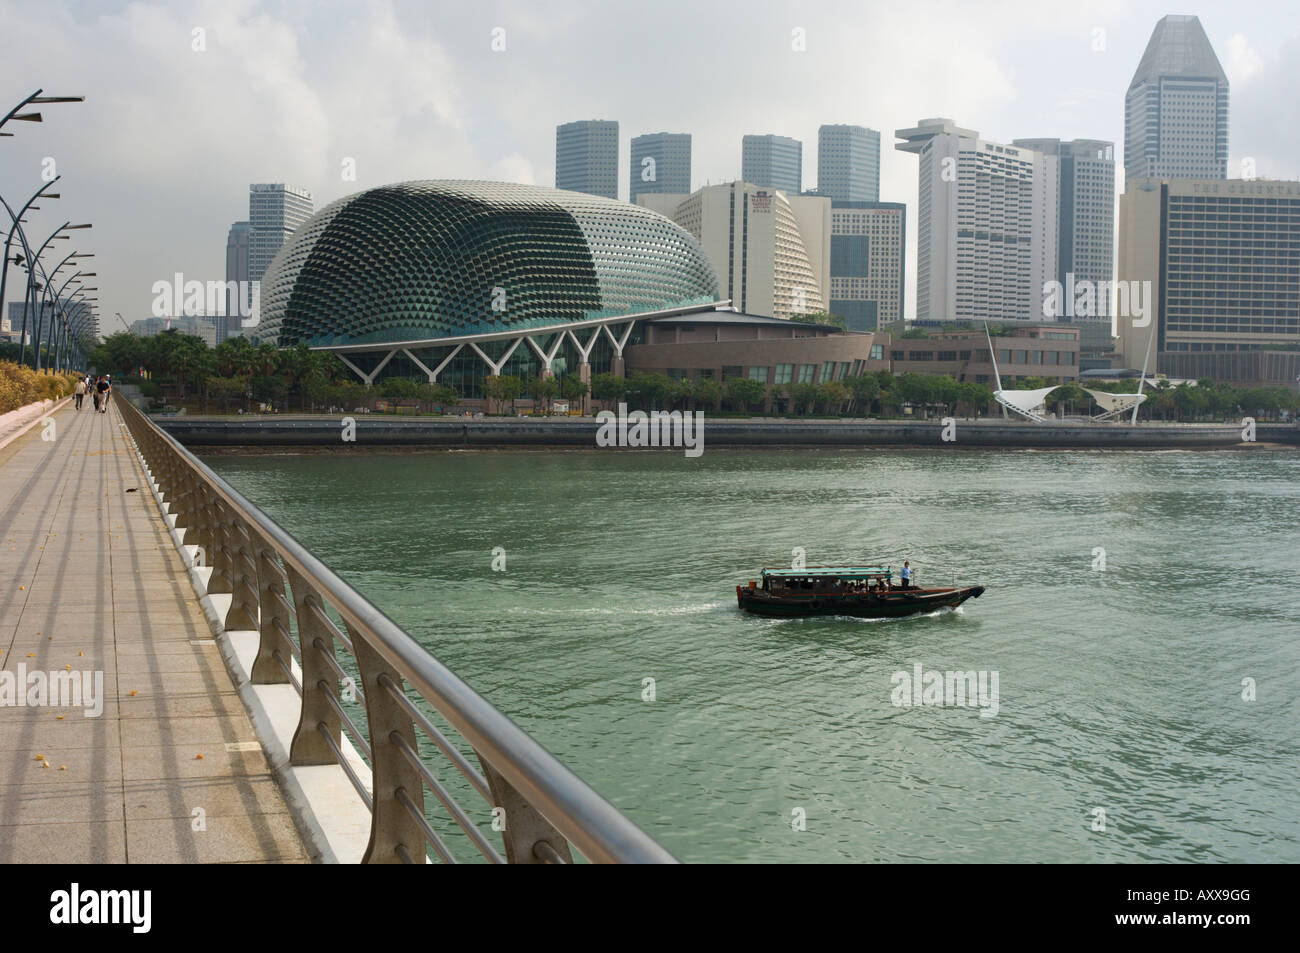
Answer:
(906, 575)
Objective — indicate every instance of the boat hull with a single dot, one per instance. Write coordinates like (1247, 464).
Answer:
(894, 604)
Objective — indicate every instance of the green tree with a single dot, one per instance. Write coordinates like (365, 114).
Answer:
(745, 393)
(863, 390)
(708, 393)
(609, 388)
(545, 390)
(833, 396)
(803, 397)
(573, 388)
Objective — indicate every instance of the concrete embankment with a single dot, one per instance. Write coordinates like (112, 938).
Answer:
(573, 432)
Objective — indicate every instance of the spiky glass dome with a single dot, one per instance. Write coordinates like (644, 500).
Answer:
(417, 261)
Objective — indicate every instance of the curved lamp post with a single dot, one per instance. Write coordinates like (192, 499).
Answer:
(33, 264)
(36, 99)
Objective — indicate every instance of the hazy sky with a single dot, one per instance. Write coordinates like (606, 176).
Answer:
(160, 155)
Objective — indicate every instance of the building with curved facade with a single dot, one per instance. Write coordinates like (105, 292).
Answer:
(459, 280)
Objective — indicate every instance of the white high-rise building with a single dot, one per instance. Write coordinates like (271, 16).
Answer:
(274, 212)
(772, 251)
(986, 225)
(1176, 108)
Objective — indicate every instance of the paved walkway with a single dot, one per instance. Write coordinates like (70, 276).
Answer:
(171, 771)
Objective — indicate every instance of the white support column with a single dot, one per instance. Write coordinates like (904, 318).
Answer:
(497, 365)
(547, 356)
(585, 351)
(433, 378)
(367, 378)
(619, 343)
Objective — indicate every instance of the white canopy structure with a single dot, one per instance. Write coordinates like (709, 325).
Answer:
(1023, 402)
(1114, 405)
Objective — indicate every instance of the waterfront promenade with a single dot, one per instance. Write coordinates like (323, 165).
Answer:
(170, 771)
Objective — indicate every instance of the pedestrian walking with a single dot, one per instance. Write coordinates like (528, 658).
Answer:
(101, 399)
(80, 393)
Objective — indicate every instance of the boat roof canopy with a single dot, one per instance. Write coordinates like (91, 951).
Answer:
(830, 572)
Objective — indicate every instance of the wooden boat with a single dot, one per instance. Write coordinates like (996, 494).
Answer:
(864, 591)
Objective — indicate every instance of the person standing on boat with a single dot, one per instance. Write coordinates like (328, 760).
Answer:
(906, 575)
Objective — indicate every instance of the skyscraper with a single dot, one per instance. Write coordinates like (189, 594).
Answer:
(274, 212)
(868, 244)
(771, 251)
(586, 157)
(660, 162)
(237, 245)
(772, 162)
(986, 225)
(848, 163)
(1176, 108)
(1085, 223)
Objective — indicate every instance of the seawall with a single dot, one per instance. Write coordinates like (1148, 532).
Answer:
(574, 432)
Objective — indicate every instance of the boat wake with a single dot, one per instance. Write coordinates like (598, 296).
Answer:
(620, 611)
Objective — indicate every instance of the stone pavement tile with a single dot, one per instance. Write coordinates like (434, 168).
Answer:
(146, 800)
(211, 730)
(225, 839)
(179, 706)
(127, 651)
(65, 803)
(43, 730)
(102, 842)
(67, 765)
(197, 661)
(171, 683)
(150, 762)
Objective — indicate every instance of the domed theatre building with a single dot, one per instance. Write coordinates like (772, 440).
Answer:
(455, 281)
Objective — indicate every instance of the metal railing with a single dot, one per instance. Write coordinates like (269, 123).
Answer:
(277, 588)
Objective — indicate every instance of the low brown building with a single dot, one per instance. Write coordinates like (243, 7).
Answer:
(1047, 350)
(725, 344)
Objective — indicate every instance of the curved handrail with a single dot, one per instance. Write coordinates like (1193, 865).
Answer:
(590, 823)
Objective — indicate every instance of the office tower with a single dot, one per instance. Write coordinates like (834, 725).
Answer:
(586, 157)
(868, 254)
(771, 250)
(772, 162)
(986, 225)
(237, 245)
(660, 162)
(274, 212)
(848, 163)
(1085, 224)
(1176, 108)
(1220, 258)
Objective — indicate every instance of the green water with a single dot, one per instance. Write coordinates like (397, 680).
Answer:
(1119, 689)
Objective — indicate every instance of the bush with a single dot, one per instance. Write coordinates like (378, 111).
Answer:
(20, 386)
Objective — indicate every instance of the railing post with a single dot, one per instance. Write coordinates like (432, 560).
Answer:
(391, 823)
(308, 746)
(526, 830)
(219, 557)
(243, 578)
(272, 618)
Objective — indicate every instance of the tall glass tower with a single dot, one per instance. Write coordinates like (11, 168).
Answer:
(1176, 109)
(848, 163)
(669, 166)
(274, 212)
(772, 162)
(586, 157)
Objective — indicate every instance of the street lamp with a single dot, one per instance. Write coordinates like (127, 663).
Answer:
(19, 259)
(36, 99)
(33, 264)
